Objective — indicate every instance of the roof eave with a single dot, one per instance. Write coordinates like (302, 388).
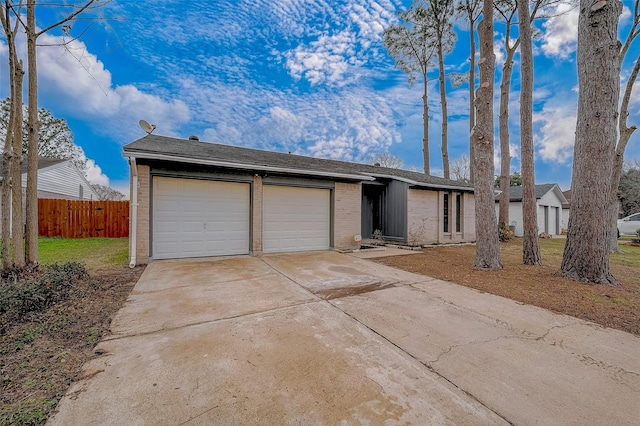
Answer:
(422, 184)
(242, 166)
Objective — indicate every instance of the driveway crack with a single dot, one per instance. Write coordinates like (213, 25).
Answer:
(427, 365)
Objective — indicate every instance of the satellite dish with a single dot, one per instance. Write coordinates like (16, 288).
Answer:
(149, 128)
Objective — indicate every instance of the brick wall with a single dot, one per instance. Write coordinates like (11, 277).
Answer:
(425, 217)
(423, 224)
(346, 215)
(142, 228)
(256, 216)
(469, 214)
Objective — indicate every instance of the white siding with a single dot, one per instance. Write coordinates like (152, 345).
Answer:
(565, 218)
(555, 214)
(553, 203)
(62, 180)
(515, 217)
(550, 199)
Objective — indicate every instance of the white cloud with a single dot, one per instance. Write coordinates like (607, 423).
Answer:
(94, 174)
(556, 132)
(371, 18)
(634, 101)
(83, 88)
(560, 33)
(348, 124)
(325, 60)
(334, 57)
(626, 15)
(514, 152)
(500, 53)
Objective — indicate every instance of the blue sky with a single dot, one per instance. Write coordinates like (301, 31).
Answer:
(310, 77)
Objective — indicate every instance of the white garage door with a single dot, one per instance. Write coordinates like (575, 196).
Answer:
(197, 218)
(295, 219)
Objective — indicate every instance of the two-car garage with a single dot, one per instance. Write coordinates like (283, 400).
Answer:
(201, 218)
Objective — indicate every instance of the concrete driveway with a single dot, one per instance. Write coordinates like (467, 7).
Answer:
(328, 338)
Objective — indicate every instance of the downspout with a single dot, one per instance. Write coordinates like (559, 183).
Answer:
(134, 212)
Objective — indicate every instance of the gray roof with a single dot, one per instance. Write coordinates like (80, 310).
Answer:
(190, 151)
(515, 192)
(43, 162)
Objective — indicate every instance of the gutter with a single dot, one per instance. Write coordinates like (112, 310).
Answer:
(422, 184)
(253, 167)
(134, 212)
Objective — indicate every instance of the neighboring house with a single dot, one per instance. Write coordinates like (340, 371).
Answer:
(195, 199)
(549, 202)
(566, 209)
(57, 178)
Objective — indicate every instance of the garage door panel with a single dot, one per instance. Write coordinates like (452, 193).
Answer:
(165, 205)
(295, 219)
(191, 226)
(166, 185)
(163, 248)
(191, 207)
(197, 218)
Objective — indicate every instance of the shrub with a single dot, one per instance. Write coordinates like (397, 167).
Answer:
(26, 291)
(504, 233)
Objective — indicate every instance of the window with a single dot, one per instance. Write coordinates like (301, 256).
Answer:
(458, 212)
(81, 192)
(445, 217)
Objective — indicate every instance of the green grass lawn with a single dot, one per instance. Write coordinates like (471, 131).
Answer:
(95, 253)
(628, 256)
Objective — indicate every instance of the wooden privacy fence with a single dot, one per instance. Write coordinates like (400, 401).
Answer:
(83, 219)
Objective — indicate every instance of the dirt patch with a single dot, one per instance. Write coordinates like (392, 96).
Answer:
(336, 293)
(615, 307)
(43, 351)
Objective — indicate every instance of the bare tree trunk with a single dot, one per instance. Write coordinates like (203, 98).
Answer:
(12, 220)
(472, 98)
(445, 117)
(625, 133)
(586, 253)
(17, 218)
(505, 151)
(425, 126)
(7, 155)
(32, 146)
(487, 243)
(530, 244)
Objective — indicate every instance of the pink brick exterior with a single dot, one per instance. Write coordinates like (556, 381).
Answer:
(346, 215)
(469, 214)
(142, 226)
(256, 216)
(425, 218)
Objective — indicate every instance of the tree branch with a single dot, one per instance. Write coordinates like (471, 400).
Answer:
(72, 15)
